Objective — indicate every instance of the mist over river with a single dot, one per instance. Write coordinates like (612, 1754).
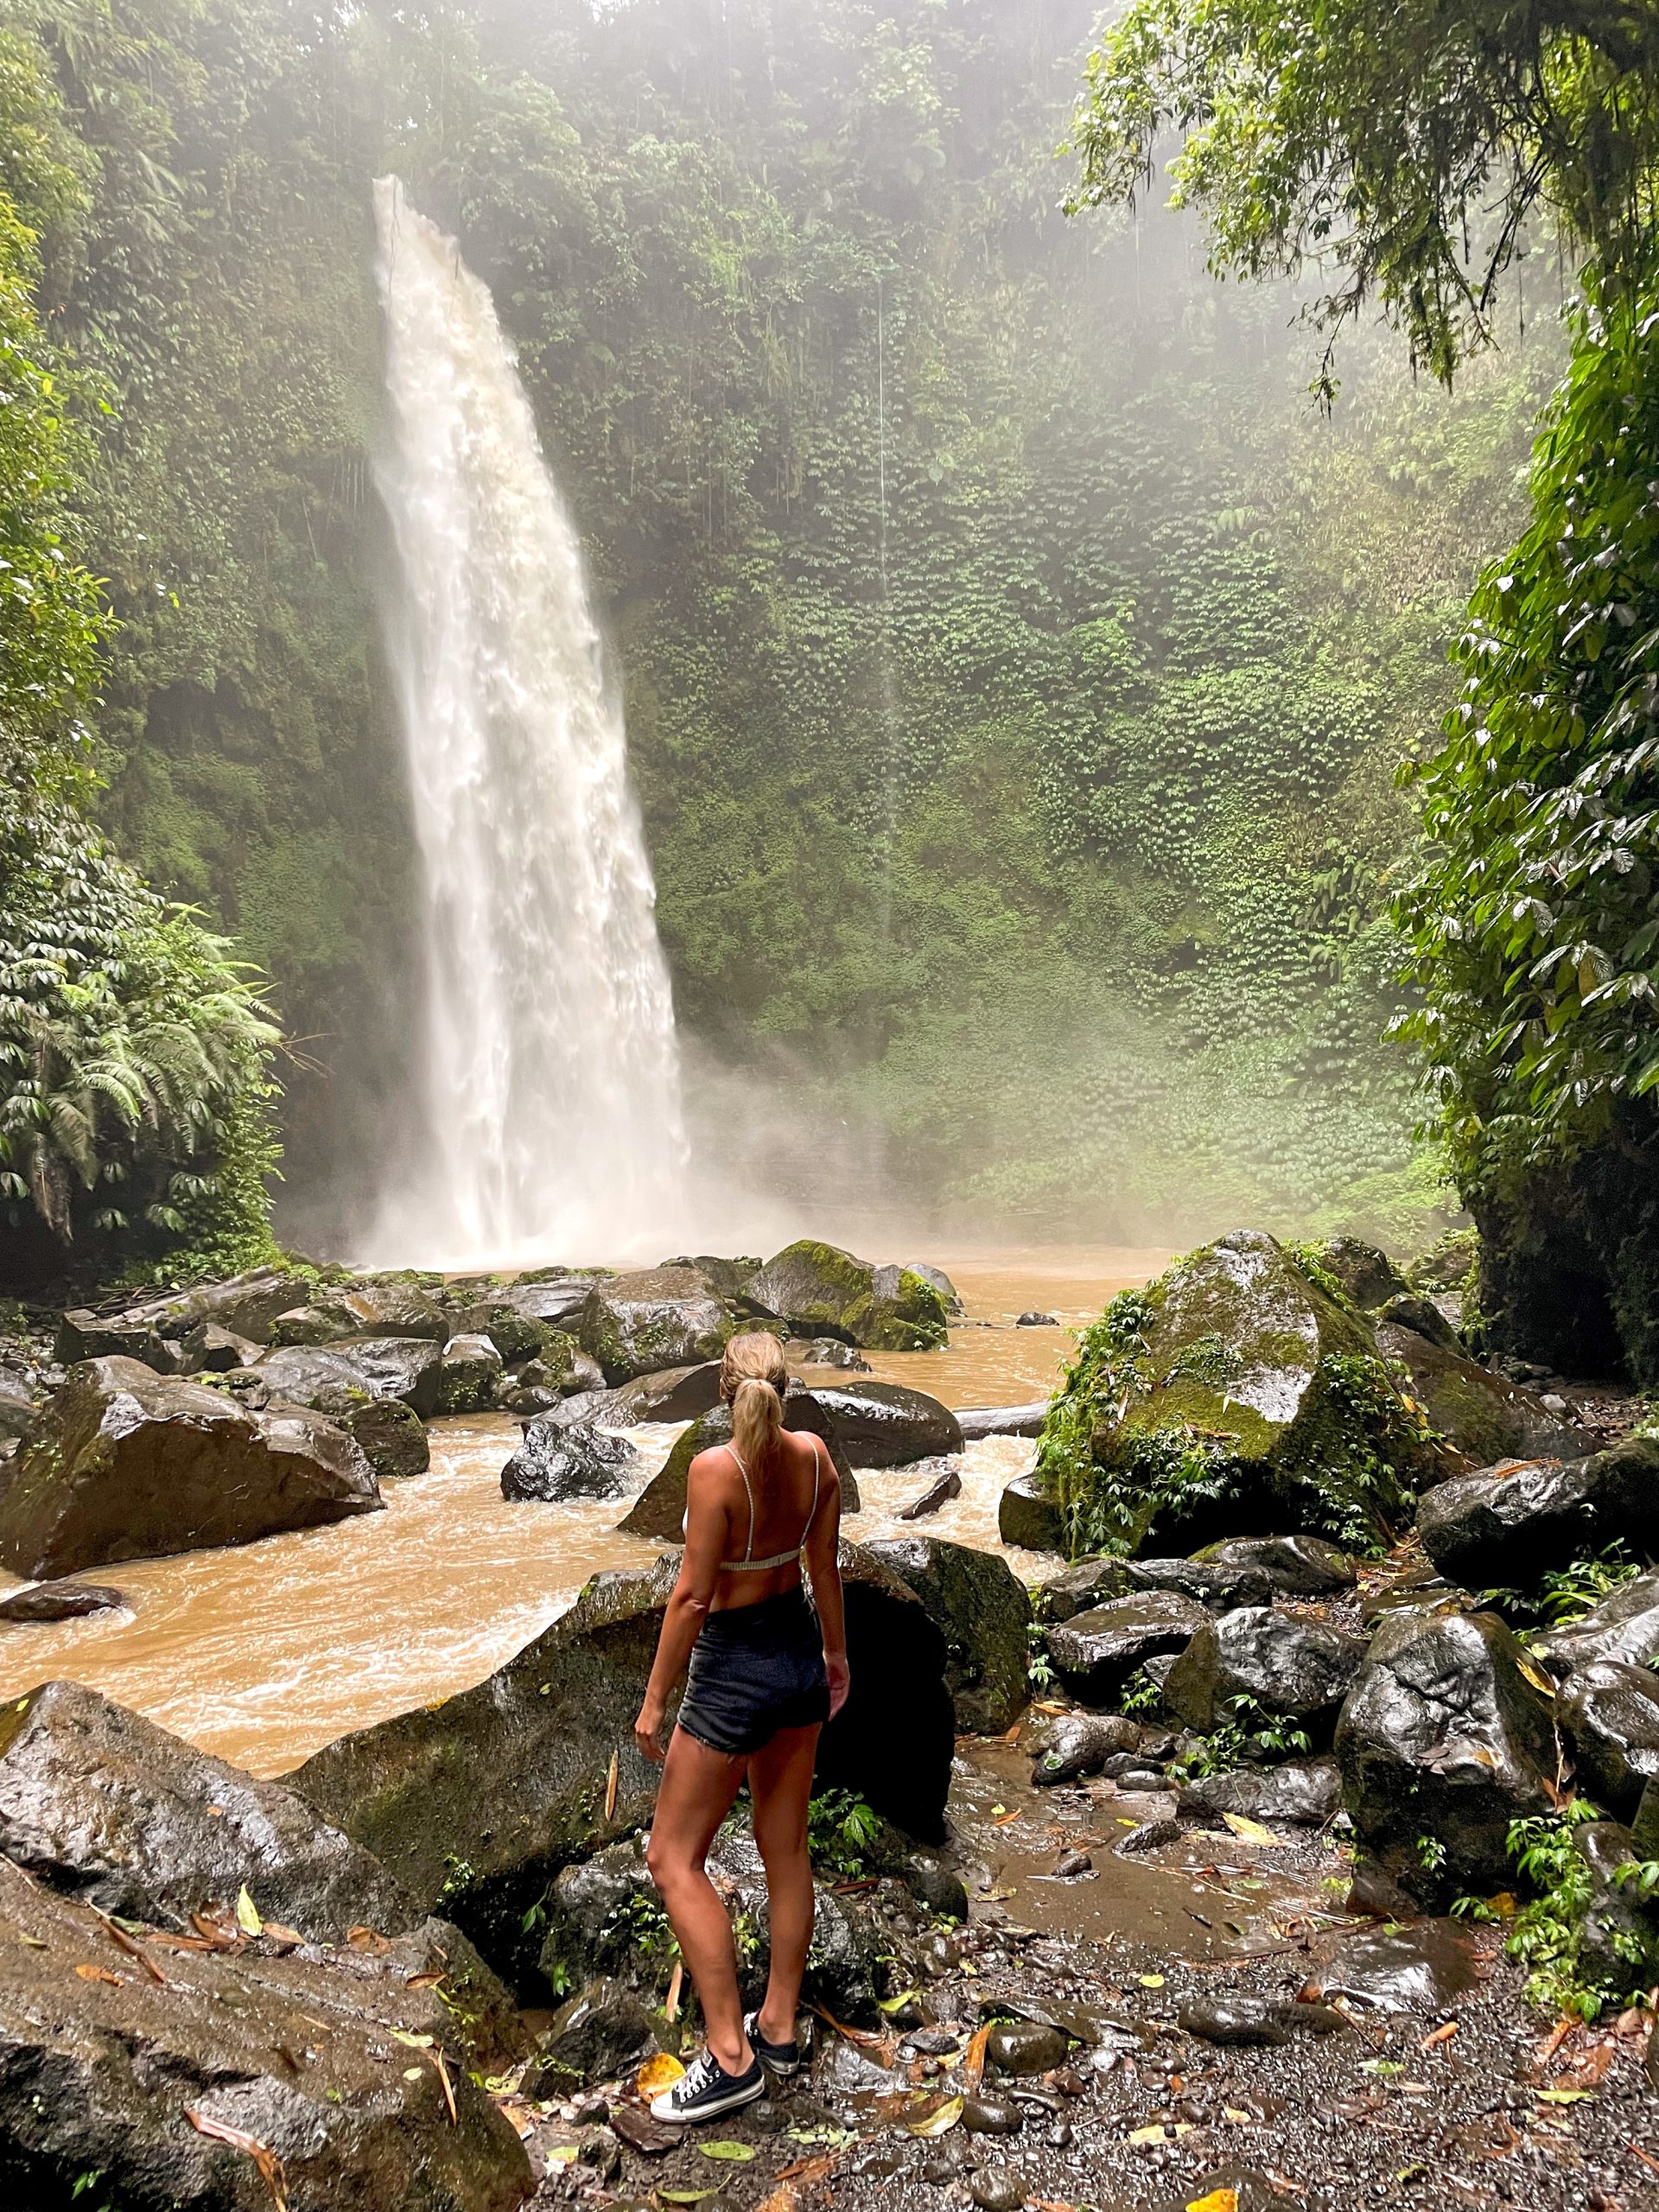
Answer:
(264, 1652)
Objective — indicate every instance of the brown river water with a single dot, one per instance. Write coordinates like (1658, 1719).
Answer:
(264, 1652)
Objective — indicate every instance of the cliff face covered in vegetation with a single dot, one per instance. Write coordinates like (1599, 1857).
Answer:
(1016, 663)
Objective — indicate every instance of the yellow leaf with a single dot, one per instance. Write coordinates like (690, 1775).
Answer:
(560, 2154)
(737, 2154)
(610, 1790)
(1239, 2119)
(1216, 2200)
(414, 2073)
(1150, 1980)
(247, 1914)
(657, 2075)
(941, 2121)
(1158, 2133)
(1249, 1831)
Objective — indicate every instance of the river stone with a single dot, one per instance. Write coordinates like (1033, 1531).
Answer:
(1025, 2047)
(981, 1422)
(126, 1464)
(659, 1509)
(392, 1437)
(107, 1806)
(209, 1349)
(992, 2115)
(246, 1306)
(517, 1336)
(1479, 1413)
(1215, 1584)
(1243, 1357)
(673, 1394)
(297, 2052)
(824, 1351)
(884, 1424)
(599, 2033)
(1028, 1518)
(305, 1324)
(333, 1378)
(1305, 1792)
(1429, 1966)
(1625, 1626)
(944, 1486)
(553, 1463)
(1368, 1276)
(1609, 1714)
(981, 1608)
(391, 1308)
(664, 1317)
(1510, 1525)
(470, 1369)
(482, 1799)
(993, 2188)
(1239, 2021)
(1298, 1668)
(942, 1283)
(1080, 1744)
(1095, 1653)
(16, 1404)
(1447, 1733)
(1296, 1566)
(1081, 1586)
(59, 1601)
(83, 1335)
(1617, 1935)
(822, 1291)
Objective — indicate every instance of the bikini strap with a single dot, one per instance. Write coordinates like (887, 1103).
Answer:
(748, 1548)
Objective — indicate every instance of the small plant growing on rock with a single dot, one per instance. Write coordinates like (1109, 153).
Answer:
(840, 1828)
(1548, 1934)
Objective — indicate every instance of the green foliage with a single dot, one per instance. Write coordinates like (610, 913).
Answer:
(840, 1828)
(1248, 1733)
(1534, 932)
(1548, 1931)
(1406, 146)
(1571, 1592)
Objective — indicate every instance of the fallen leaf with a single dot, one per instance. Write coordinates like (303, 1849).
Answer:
(1536, 1675)
(414, 2073)
(562, 2154)
(247, 1914)
(1216, 2200)
(365, 1939)
(263, 2156)
(1158, 2133)
(35, 1942)
(217, 1935)
(991, 1897)
(683, 2195)
(1004, 1819)
(671, 2002)
(867, 2037)
(291, 1939)
(1558, 2035)
(1566, 2096)
(407, 2036)
(785, 2198)
(973, 2063)
(417, 1980)
(1150, 1980)
(519, 2117)
(641, 2132)
(122, 1942)
(737, 2154)
(448, 2087)
(1239, 2118)
(1443, 2034)
(102, 1973)
(809, 2169)
(610, 1787)
(898, 2003)
(657, 2075)
(939, 2122)
(1249, 1831)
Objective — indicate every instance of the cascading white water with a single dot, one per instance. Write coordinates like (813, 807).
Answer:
(553, 1106)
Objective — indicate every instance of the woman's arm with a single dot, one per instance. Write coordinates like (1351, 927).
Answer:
(823, 1568)
(687, 1605)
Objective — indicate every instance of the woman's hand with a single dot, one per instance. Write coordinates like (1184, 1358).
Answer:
(647, 1732)
(834, 1666)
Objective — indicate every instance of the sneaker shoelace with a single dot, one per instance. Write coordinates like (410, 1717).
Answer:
(702, 2074)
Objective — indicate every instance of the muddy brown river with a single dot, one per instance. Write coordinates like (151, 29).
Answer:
(266, 1651)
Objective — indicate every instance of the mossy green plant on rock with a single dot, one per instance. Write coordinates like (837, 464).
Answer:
(1233, 1394)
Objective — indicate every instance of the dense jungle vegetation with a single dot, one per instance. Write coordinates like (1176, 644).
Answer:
(1017, 662)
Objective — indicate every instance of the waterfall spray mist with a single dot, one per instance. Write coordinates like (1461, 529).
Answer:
(552, 1109)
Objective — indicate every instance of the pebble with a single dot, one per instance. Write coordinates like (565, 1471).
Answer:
(932, 2042)
(1073, 1862)
(997, 2188)
(992, 2116)
(1024, 2047)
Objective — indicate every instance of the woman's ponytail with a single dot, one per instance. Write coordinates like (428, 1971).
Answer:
(752, 1381)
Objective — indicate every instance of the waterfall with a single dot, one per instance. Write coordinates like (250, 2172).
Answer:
(553, 1123)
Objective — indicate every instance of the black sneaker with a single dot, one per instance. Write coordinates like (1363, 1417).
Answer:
(777, 2058)
(706, 2089)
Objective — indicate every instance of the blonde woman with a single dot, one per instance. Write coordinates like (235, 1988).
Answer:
(764, 1675)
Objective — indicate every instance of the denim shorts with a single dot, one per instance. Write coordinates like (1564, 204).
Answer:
(755, 1669)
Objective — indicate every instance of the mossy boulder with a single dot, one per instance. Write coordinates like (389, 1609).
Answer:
(1240, 1393)
(822, 1291)
(661, 1318)
(659, 1509)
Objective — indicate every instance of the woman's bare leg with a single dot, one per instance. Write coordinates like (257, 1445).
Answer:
(780, 1783)
(695, 1794)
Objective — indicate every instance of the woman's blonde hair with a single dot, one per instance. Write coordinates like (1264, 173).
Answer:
(752, 1381)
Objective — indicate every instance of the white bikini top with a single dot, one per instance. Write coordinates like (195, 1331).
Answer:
(748, 1564)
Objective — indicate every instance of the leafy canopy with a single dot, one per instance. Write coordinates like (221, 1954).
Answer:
(1399, 144)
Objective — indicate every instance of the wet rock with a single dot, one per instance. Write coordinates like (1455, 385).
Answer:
(553, 1463)
(996, 2189)
(1082, 1585)
(1300, 1419)
(1410, 1310)
(1427, 1968)
(1080, 1745)
(1149, 1835)
(105, 1805)
(59, 1601)
(1618, 1936)
(124, 1463)
(209, 1349)
(1025, 2047)
(1373, 1891)
(483, 1798)
(333, 1378)
(1298, 1668)
(1305, 1792)
(306, 1324)
(980, 1608)
(884, 1424)
(1214, 1583)
(83, 1335)
(981, 1422)
(391, 1305)
(673, 1394)
(598, 2033)
(1446, 1734)
(934, 1885)
(939, 1492)
(1234, 2021)
(1624, 1627)
(1609, 1714)
(1479, 1414)
(991, 2115)
(942, 1283)
(246, 1306)
(467, 1375)
(659, 1509)
(822, 1291)
(825, 1351)
(392, 1437)
(1095, 1653)
(291, 2051)
(16, 1404)
(1296, 1566)
(661, 1317)
(952, 2160)
(1366, 1275)
(1029, 1518)
(1033, 1319)
(1511, 1524)
(517, 1335)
